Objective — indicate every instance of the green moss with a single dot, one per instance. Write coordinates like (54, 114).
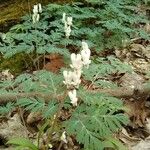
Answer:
(16, 64)
(12, 10)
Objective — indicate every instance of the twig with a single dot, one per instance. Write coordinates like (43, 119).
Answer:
(121, 92)
(13, 97)
(60, 145)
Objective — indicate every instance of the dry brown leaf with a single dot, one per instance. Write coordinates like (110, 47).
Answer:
(6, 75)
(55, 63)
(126, 138)
(142, 145)
(147, 28)
(137, 112)
(34, 117)
(131, 80)
(140, 65)
(13, 128)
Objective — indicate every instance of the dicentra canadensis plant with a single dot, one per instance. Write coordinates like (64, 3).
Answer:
(93, 117)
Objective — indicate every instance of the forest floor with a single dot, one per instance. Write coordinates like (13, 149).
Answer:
(136, 135)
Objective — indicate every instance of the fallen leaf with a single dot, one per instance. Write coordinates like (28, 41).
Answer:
(55, 63)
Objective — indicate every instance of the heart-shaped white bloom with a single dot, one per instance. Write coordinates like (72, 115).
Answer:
(64, 18)
(35, 18)
(85, 53)
(67, 24)
(76, 78)
(84, 45)
(68, 77)
(86, 57)
(35, 9)
(73, 97)
(40, 7)
(67, 31)
(72, 78)
(69, 21)
(76, 61)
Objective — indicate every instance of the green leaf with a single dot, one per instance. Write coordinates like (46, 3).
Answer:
(116, 144)
(26, 143)
(50, 110)
(6, 109)
(84, 135)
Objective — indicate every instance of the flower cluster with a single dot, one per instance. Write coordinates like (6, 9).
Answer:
(36, 10)
(73, 78)
(67, 24)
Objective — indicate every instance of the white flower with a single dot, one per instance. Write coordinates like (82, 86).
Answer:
(50, 146)
(84, 45)
(67, 25)
(86, 57)
(67, 31)
(64, 18)
(73, 97)
(76, 78)
(63, 137)
(35, 9)
(40, 7)
(72, 78)
(69, 21)
(35, 18)
(85, 53)
(67, 77)
(76, 61)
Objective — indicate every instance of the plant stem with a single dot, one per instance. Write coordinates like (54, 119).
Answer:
(60, 145)
(56, 116)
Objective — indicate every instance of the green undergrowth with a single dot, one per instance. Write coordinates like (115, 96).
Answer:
(104, 25)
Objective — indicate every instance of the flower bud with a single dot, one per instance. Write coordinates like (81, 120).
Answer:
(73, 97)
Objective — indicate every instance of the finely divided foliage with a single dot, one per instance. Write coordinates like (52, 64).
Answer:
(107, 26)
(95, 116)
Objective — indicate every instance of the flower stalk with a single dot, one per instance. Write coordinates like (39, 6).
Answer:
(37, 9)
(73, 78)
(67, 25)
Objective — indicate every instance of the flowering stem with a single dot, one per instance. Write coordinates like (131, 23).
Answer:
(56, 116)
